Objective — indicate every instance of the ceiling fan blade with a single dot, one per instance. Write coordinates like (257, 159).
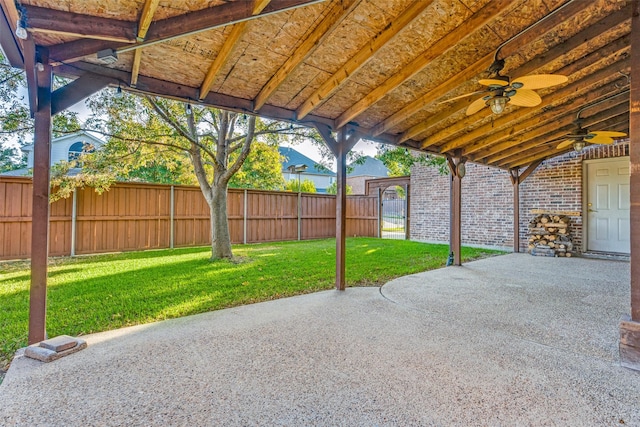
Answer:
(493, 82)
(525, 98)
(598, 139)
(476, 106)
(539, 81)
(607, 133)
(463, 96)
(565, 144)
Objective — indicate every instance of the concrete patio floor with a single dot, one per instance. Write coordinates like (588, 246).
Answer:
(503, 341)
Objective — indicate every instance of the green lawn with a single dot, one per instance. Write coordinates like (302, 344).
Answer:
(97, 293)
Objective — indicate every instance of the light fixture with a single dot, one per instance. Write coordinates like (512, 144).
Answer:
(107, 56)
(119, 91)
(187, 109)
(21, 28)
(498, 103)
(578, 145)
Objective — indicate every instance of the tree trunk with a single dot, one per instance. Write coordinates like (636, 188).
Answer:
(220, 237)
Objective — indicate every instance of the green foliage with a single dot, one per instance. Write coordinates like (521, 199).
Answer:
(333, 188)
(400, 160)
(261, 169)
(307, 186)
(140, 287)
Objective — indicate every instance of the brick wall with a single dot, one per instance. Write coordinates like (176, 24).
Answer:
(487, 199)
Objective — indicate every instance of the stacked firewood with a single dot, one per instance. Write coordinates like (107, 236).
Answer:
(549, 235)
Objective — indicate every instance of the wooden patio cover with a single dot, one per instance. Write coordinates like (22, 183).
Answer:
(384, 70)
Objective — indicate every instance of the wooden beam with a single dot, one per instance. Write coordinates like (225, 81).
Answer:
(528, 171)
(40, 206)
(178, 26)
(333, 83)
(148, 10)
(31, 73)
(8, 40)
(538, 30)
(76, 91)
(52, 21)
(227, 48)
(446, 43)
(332, 20)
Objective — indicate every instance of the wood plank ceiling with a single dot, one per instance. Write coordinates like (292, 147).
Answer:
(393, 68)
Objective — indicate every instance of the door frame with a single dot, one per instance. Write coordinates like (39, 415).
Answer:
(585, 190)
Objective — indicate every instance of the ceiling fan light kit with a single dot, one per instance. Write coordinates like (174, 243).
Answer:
(578, 145)
(498, 104)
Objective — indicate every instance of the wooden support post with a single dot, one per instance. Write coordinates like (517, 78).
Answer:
(407, 212)
(515, 180)
(630, 328)
(347, 138)
(457, 168)
(41, 93)
(245, 212)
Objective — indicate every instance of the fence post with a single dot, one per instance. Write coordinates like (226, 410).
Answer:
(244, 217)
(74, 215)
(171, 217)
(379, 212)
(299, 212)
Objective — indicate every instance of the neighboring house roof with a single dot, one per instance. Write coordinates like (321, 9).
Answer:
(17, 172)
(68, 137)
(293, 157)
(370, 167)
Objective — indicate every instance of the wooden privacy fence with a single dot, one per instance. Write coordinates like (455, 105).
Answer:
(148, 216)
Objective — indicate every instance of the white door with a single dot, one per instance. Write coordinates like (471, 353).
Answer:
(608, 205)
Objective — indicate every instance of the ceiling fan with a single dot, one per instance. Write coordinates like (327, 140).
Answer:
(502, 90)
(582, 136)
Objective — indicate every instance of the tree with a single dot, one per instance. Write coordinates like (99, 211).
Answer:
(306, 186)
(217, 144)
(261, 169)
(400, 160)
(16, 124)
(333, 188)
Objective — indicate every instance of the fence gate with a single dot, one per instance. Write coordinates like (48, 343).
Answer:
(393, 213)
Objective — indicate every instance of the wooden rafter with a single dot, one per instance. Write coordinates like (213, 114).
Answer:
(571, 97)
(579, 39)
(562, 127)
(146, 17)
(462, 32)
(339, 11)
(454, 141)
(537, 30)
(552, 119)
(8, 41)
(227, 48)
(333, 83)
(549, 149)
(177, 26)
